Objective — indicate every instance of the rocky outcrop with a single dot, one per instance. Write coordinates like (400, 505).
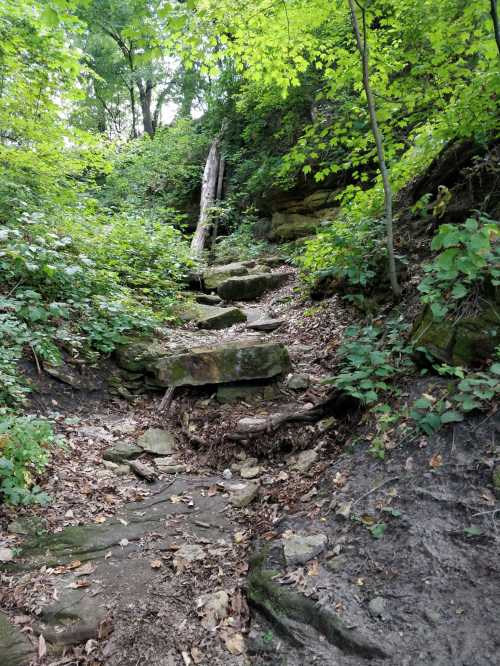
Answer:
(294, 219)
(15, 649)
(468, 342)
(250, 287)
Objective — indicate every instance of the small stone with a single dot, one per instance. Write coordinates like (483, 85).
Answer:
(251, 424)
(344, 510)
(166, 466)
(303, 461)
(297, 382)
(215, 607)
(227, 474)
(301, 548)
(119, 470)
(208, 299)
(250, 472)
(121, 452)
(6, 554)
(143, 471)
(242, 496)
(335, 564)
(190, 553)
(377, 606)
(159, 442)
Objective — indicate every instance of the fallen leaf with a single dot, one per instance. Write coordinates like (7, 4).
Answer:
(69, 514)
(42, 647)
(197, 655)
(155, 564)
(175, 499)
(123, 543)
(212, 490)
(366, 519)
(313, 568)
(74, 565)
(234, 643)
(100, 519)
(436, 461)
(77, 584)
(85, 569)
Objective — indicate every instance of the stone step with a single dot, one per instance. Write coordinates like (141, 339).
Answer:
(250, 287)
(212, 316)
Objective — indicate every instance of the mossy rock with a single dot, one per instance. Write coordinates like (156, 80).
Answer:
(136, 354)
(15, 649)
(230, 362)
(214, 276)
(250, 287)
(211, 317)
(290, 226)
(468, 342)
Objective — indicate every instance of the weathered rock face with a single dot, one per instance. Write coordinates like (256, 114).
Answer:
(290, 226)
(136, 354)
(234, 361)
(468, 342)
(249, 287)
(214, 276)
(212, 317)
(298, 218)
(15, 649)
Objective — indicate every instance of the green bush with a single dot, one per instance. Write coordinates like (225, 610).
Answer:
(469, 259)
(25, 446)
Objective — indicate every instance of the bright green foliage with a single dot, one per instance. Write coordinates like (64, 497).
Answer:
(469, 259)
(368, 362)
(345, 250)
(25, 446)
(241, 244)
(474, 392)
(161, 176)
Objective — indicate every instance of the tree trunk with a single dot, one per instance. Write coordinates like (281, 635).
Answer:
(377, 135)
(145, 95)
(208, 194)
(496, 26)
(134, 112)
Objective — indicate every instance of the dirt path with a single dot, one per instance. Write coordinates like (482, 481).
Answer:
(337, 557)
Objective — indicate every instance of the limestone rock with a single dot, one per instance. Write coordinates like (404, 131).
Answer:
(211, 316)
(273, 261)
(68, 374)
(168, 466)
(122, 451)
(15, 649)
(266, 324)
(291, 226)
(467, 342)
(208, 299)
(250, 287)
(214, 608)
(159, 442)
(143, 471)
(377, 606)
(229, 362)
(214, 276)
(137, 354)
(303, 461)
(259, 268)
(245, 391)
(250, 471)
(244, 494)
(301, 548)
(297, 382)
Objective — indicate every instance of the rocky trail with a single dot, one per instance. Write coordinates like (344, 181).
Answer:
(229, 518)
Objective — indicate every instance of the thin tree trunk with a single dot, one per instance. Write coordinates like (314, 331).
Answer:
(208, 194)
(145, 95)
(496, 26)
(363, 50)
(134, 112)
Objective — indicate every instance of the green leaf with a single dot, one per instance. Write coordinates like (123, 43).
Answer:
(459, 291)
(377, 531)
(50, 17)
(451, 416)
(473, 531)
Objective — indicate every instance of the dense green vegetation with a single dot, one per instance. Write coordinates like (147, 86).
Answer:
(101, 164)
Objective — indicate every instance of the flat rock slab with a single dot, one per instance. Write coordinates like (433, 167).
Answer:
(208, 299)
(230, 362)
(15, 649)
(266, 324)
(212, 316)
(121, 452)
(301, 548)
(159, 442)
(250, 287)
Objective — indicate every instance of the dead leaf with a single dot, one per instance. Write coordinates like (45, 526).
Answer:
(197, 655)
(74, 565)
(366, 519)
(105, 629)
(313, 568)
(212, 490)
(42, 647)
(155, 564)
(436, 461)
(235, 643)
(77, 584)
(85, 569)
(100, 519)
(175, 499)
